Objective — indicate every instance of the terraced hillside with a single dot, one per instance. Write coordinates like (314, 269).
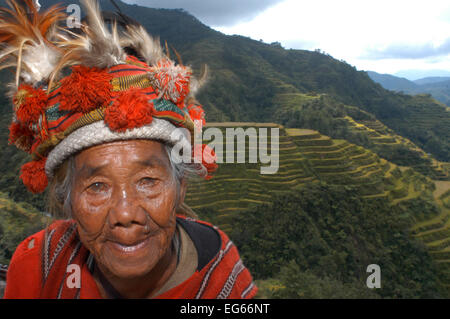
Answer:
(339, 162)
(17, 221)
(324, 113)
(304, 156)
(435, 232)
(235, 187)
(385, 139)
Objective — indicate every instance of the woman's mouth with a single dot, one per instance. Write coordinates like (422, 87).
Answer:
(130, 248)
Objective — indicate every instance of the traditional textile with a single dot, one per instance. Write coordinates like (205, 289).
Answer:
(41, 271)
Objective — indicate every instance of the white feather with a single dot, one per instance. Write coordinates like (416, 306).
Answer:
(102, 48)
(40, 61)
(147, 46)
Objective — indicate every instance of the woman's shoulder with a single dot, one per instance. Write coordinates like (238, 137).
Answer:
(206, 238)
(25, 268)
(22, 277)
(34, 242)
(220, 266)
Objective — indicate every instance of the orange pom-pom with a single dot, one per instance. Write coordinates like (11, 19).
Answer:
(16, 131)
(131, 109)
(31, 103)
(208, 158)
(34, 177)
(196, 112)
(171, 81)
(85, 89)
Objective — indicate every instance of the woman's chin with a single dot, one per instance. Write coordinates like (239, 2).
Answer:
(128, 261)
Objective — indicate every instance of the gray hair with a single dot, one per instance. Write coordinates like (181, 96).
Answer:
(60, 190)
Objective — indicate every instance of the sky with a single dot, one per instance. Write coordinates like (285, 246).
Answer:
(409, 38)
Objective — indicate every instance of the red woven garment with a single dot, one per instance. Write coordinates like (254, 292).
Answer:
(224, 276)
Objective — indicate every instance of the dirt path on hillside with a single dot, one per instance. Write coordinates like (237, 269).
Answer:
(441, 188)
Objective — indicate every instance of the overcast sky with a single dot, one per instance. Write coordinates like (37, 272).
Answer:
(386, 36)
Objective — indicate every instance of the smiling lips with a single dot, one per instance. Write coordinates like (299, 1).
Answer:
(130, 248)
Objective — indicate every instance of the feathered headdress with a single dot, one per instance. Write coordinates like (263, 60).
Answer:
(109, 94)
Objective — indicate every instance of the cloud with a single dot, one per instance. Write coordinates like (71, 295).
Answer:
(214, 12)
(408, 51)
(301, 44)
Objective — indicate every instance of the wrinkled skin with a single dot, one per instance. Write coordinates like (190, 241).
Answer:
(124, 199)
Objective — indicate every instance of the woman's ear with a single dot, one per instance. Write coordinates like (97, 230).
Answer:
(182, 208)
(183, 188)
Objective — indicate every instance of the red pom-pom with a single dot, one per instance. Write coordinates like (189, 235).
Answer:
(131, 109)
(196, 112)
(34, 177)
(31, 103)
(208, 158)
(85, 89)
(16, 131)
(21, 136)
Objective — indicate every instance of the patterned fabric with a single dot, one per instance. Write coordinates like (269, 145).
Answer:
(41, 271)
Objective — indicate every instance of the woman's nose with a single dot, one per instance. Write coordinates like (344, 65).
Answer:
(125, 210)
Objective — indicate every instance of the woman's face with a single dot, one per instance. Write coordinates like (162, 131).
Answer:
(124, 198)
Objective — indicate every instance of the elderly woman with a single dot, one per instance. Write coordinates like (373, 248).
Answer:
(102, 142)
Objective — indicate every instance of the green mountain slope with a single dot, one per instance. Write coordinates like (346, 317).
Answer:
(17, 221)
(341, 121)
(317, 166)
(432, 79)
(393, 83)
(439, 90)
(318, 241)
(305, 156)
(438, 87)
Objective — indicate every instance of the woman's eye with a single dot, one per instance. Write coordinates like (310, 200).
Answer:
(147, 181)
(97, 187)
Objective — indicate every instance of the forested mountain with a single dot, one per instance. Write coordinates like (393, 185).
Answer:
(439, 90)
(432, 79)
(438, 87)
(363, 173)
(393, 83)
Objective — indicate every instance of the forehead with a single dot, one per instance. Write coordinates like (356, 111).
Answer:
(124, 153)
